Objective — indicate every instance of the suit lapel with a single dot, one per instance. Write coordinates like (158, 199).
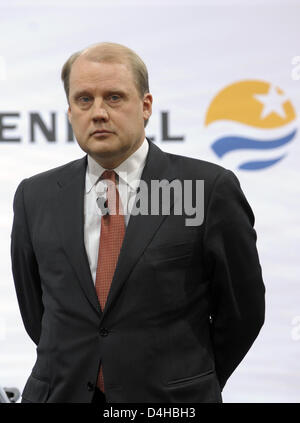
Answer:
(140, 228)
(70, 218)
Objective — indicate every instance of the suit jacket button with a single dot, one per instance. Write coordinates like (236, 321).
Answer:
(104, 331)
(90, 386)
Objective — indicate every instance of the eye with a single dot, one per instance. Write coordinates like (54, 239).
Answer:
(84, 99)
(114, 97)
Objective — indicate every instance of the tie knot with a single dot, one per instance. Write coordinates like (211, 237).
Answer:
(109, 174)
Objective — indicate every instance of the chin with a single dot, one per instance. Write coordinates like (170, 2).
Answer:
(102, 147)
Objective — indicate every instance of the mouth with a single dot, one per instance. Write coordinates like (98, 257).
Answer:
(101, 132)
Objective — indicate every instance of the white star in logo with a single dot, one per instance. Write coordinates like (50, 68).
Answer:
(272, 101)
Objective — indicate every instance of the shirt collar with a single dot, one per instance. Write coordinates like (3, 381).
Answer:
(129, 171)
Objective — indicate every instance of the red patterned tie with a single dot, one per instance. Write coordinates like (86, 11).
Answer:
(111, 238)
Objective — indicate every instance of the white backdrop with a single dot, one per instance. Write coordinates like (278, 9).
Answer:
(194, 50)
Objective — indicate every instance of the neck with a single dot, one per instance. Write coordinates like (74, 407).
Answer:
(113, 162)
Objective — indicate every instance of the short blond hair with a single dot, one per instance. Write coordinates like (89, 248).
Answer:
(110, 53)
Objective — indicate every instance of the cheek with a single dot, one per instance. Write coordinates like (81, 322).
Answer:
(79, 123)
(134, 118)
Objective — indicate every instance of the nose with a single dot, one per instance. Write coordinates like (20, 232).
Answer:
(99, 112)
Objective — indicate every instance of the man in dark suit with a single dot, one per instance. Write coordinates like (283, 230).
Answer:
(126, 306)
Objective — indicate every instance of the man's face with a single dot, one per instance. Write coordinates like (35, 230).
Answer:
(106, 111)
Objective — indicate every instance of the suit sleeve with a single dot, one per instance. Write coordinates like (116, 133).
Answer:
(25, 269)
(232, 263)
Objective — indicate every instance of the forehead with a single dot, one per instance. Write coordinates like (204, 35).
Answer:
(90, 74)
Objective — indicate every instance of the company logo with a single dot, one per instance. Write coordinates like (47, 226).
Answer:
(252, 123)
(55, 127)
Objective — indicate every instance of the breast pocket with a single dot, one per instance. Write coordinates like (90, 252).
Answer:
(167, 253)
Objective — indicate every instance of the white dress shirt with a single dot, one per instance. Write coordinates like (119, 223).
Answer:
(129, 174)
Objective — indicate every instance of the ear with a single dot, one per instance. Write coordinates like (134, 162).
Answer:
(70, 115)
(147, 106)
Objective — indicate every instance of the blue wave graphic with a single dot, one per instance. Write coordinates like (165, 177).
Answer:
(226, 144)
(260, 164)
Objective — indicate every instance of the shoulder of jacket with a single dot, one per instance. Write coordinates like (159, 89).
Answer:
(54, 173)
(200, 169)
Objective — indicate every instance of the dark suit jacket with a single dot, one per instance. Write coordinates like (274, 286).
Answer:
(185, 305)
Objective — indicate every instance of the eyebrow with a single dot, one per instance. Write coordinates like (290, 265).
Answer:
(81, 93)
